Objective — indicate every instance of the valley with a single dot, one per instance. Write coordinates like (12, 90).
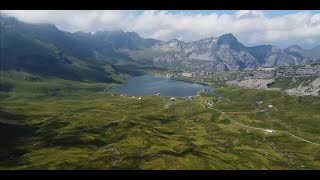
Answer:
(113, 100)
(69, 125)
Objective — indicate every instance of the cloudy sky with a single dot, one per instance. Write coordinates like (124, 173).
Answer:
(280, 28)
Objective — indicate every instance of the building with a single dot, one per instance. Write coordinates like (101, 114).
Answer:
(169, 105)
(186, 74)
(190, 98)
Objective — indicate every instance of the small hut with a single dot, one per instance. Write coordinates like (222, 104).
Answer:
(169, 105)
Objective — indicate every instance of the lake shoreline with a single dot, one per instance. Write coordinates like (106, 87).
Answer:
(150, 84)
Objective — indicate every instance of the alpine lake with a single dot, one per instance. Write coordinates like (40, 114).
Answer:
(148, 85)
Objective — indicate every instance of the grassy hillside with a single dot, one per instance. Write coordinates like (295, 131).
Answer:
(19, 52)
(44, 50)
(49, 123)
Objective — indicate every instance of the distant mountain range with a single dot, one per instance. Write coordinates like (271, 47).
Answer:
(46, 50)
(224, 53)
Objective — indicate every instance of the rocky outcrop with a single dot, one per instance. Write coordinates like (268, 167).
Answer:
(252, 83)
(312, 89)
(264, 78)
(307, 70)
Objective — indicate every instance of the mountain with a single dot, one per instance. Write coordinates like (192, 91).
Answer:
(172, 45)
(295, 50)
(47, 50)
(124, 40)
(44, 49)
(310, 55)
(224, 53)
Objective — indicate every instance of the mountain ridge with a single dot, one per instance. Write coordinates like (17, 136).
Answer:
(215, 54)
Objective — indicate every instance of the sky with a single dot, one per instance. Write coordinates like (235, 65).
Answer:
(281, 28)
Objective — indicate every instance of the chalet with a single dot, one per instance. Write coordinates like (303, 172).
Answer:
(190, 98)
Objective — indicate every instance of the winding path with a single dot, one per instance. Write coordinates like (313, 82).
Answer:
(262, 129)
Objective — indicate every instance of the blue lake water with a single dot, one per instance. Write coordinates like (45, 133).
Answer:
(148, 85)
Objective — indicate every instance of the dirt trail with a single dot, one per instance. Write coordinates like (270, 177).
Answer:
(266, 130)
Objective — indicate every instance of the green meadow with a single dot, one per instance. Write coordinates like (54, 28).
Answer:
(49, 123)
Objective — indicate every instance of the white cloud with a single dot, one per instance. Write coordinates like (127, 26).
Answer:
(248, 14)
(250, 27)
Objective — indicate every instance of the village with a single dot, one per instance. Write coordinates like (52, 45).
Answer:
(207, 103)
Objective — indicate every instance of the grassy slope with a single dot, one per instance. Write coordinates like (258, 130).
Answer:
(75, 127)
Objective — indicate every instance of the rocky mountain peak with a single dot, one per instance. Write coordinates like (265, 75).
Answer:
(295, 46)
(227, 38)
(294, 49)
(177, 41)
